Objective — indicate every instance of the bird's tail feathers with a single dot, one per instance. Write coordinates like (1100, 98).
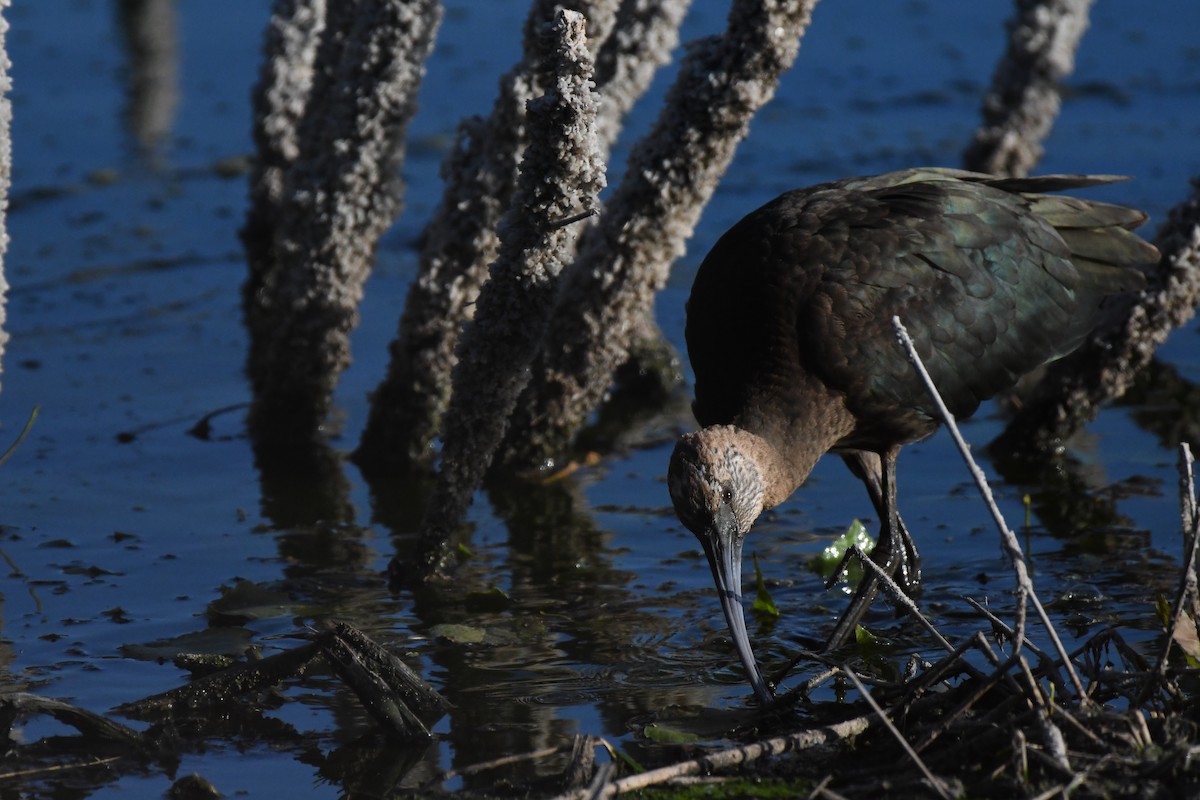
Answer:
(1111, 258)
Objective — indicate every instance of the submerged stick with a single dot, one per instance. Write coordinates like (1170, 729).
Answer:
(88, 723)
(398, 698)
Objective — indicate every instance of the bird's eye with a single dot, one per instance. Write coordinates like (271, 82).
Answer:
(727, 496)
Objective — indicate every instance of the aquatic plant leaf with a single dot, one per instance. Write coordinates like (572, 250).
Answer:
(1162, 610)
(763, 607)
(459, 634)
(494, 599)
(223, 640)
(826, 562)
(865, 639)
(666, 735)
(12, 448)
(629, 762)
(246, 600)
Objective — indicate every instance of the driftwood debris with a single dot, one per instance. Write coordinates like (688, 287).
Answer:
(397, 698)
(400, 700)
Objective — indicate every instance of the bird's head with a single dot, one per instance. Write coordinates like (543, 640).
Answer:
(717, 487)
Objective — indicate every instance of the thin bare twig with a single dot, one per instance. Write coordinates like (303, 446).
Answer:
(1190, 527)
(495, 763)
(934, 781)
(897, 594)
(1051, 734)
(1008, 538)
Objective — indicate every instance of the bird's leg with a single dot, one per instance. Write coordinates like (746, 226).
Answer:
(868, 467)
(894, 551)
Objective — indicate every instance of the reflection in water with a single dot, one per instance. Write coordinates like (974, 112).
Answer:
(149, 32)
(1074, 499)
(302, 484)
(1164, 403)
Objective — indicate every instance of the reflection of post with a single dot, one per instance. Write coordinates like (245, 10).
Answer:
(1104, 367)
(5, 165)
(1023, 102)
(338, 195)
(672, 173)
(561, 174)
(149, 28)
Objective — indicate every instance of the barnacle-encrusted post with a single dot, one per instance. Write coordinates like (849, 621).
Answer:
(280, 100)
(459, 243)
(645, 34)
(338, 194)
(630, 42)
(1024, 99)
(1105, 366)
(561, 174)
(625, 258)
(5, 165)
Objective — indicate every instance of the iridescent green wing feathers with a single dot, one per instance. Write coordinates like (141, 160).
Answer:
(991, 276)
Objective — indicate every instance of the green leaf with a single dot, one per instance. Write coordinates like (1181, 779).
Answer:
(664, 735)
(826, 562)
(12, 448)
(620, 755)
(1163, 609)
(763, 607)
(494, 599)
(459, 634)
(865, 639)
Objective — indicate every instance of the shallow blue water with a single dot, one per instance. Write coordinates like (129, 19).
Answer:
(125, 269)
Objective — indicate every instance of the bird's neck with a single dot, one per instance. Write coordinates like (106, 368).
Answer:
(788, 446)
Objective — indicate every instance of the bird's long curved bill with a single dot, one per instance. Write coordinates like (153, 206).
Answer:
(726, 564)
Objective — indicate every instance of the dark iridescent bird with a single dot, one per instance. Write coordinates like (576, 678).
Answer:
(790, 338)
